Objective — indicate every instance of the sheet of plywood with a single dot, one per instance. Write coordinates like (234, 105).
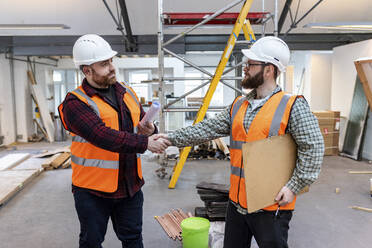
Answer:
(11, 160)
(268, 166)
(13, 181)
(29, 164)
(364, 70)
(50, 153)
(42, 103)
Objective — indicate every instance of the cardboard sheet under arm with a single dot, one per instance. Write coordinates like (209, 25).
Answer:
(268, 166)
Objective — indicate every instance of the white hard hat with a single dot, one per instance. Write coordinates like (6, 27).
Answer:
(91, 48)
(269, 49)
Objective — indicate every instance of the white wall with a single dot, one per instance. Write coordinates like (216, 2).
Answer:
(6, 103)
(321, 80)
(344, 76)
(315, 83)
(301, 60)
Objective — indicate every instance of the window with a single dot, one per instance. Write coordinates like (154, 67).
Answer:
(135, 80)
(64, 81)
(217, 98)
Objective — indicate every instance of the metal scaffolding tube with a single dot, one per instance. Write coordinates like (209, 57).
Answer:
(199, 68)
(203, 22)
(264, 24)
(188, 109)
(161, 66)
(118, 24)
(233, 67)
(276, 19)
(294, 25)
(197, 78)
(186, 94)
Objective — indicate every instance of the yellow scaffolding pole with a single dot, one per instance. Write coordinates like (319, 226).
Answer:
(239, 24)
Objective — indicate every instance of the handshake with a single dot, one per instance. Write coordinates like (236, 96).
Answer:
(158, 143)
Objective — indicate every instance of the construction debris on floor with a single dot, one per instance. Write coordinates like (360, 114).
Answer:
(214, 149)
(215, 197)
(14, 174)
(171, 223)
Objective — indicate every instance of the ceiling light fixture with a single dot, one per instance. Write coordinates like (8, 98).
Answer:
(32, 26)
(361, 26)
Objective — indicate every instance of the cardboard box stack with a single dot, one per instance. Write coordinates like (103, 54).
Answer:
(329, 123)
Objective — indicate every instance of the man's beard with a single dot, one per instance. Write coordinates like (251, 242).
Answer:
(103, 81)
(253, 82)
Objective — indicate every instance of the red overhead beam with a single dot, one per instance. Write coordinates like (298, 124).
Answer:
(223, 19)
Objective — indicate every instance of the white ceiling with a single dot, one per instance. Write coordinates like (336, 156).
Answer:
(91, 16)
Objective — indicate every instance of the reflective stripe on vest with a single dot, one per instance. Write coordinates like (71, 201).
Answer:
(275, 116)
(95, 162)
(91, 103)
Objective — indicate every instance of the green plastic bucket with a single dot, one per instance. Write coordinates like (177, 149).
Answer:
(195, 232)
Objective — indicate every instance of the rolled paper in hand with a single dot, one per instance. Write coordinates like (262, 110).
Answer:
(151, 113)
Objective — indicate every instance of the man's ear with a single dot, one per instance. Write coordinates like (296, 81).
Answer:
(269, 70)
(87, 70)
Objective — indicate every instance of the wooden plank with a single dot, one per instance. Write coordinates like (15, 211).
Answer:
(11, 160)
(47, 162)
(43, 106)
(360, 172)
(66, 164)
(362, 208)
(222, 146)
(13, 181)
(364, 70)
(60, 159)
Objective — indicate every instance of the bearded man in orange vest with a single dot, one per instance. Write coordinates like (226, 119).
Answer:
(265, 111)
(103, 116)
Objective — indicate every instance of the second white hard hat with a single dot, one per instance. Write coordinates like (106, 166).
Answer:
(91, 48)
(269, 49)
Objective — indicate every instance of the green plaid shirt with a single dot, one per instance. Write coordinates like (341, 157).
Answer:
(302, 125)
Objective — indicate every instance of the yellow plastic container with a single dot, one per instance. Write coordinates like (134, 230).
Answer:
(195, 232)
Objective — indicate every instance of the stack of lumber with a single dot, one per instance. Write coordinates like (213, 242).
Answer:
(171, 223)
(329, 123)
(214, 149)
(59, 158)
(215, 197)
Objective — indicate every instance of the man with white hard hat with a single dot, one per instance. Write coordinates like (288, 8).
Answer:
(103, 117)
(263, 112)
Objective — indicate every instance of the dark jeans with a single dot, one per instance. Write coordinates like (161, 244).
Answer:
(269, 231)
(94, 212)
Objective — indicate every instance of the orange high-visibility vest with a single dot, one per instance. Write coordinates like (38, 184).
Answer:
(93, 167)
(271, 120)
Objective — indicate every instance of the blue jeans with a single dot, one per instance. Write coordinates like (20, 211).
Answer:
(94, 212)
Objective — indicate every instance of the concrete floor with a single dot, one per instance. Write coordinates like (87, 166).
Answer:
(42, 215)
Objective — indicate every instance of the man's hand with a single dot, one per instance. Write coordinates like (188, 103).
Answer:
(161, 135)
(146, 129)
(157, 144)
(285, 196)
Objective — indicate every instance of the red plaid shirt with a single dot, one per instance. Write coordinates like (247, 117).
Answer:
(83, 121)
